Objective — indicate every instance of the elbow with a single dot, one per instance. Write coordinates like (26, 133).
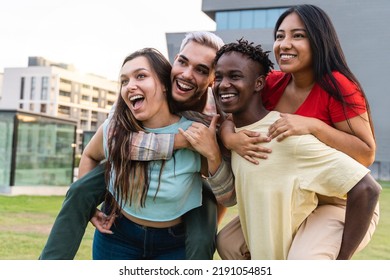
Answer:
(367, 157)
(230, 201)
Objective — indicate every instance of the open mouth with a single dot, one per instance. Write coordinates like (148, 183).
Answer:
(136, 101)
(183, 86)
(226, 97)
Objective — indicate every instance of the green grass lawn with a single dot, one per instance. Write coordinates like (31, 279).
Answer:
(25, 223)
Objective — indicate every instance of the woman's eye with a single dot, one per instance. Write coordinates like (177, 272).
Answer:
(279, 36)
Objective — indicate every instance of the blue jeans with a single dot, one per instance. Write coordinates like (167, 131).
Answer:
(131, 241)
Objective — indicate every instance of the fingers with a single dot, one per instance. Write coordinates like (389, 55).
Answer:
(110, 221)
(276, 131)
(186, 135)
(282, 136)
(214, 122)
(251, 159)
(102, 222)
(250, 133)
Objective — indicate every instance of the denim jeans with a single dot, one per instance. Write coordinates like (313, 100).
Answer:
(88, 192)
(131, 241)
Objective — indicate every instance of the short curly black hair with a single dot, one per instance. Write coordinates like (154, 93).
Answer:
(253, 52)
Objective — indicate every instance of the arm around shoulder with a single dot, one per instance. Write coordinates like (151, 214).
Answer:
(222, 184)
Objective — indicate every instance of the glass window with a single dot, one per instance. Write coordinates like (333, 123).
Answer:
(234, 20)
(43, 108)
(32, 88)
(64, 110)
(221, 19)
(22, 88)
(45, 88)
(7, 131)
(272, 17)
(259, 18)
(48, 158)
(247, 19)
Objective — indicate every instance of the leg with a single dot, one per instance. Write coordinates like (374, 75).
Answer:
(126, 242)
(201, 227)
(319, 237)
(79, 205)
(231, 244)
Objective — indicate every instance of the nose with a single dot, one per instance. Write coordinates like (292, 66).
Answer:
(187, 72)
(225, 83)
(132, 85)
(285, 43)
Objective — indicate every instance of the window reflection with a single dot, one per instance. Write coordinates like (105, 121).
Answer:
(248, 19)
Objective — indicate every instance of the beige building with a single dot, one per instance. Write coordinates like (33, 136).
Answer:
(58, 90)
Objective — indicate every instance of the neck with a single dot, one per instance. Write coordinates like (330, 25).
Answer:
(250, 115)
(303, 81)
(162, 119)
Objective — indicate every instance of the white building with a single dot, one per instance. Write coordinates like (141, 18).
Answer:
(59, 91)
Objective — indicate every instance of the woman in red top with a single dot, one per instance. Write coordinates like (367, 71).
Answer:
(317, 93)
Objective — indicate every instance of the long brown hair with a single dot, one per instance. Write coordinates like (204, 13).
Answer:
(130, 178)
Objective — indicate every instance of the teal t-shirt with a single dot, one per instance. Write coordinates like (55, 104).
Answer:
(180, 182)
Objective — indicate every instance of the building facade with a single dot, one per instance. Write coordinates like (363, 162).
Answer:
(58, 90)
(359, 25)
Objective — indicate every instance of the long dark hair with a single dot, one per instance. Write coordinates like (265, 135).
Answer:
(130, 177)
(327, 55)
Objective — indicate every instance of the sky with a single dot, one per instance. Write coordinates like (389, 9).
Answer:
(92, 35)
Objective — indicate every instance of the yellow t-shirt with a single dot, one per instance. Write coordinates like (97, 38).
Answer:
(277, 195)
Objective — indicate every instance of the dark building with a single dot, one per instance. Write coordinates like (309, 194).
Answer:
(359, 25)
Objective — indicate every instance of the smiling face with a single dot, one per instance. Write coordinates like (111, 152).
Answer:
(143, 93)
(292, 47)
(192, 73)
(237, 85)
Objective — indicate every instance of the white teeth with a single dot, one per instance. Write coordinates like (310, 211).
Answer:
(227, 95)
(135, 97)
(287, 56)
(184, 86)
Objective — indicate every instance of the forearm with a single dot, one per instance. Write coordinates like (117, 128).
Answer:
(361, 203)
(222, 184)
(151, 146)
(347, 143)
(86, 164)
(226, 134)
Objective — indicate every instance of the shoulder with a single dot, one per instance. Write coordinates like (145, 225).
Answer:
(347, 86)
(184, 122)
(275, 76)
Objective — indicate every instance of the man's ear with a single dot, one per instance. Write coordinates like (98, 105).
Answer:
(260, 82)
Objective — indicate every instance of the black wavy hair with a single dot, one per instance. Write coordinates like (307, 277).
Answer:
(328, 55)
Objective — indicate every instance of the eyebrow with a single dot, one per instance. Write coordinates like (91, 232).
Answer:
(137, 70)
(293, 30)
(198, 65)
